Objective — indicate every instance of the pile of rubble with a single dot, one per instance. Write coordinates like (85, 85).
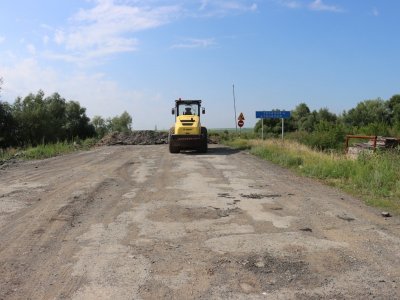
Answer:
(379, 142)
(373, 143)
(139, 137)
(387, 142)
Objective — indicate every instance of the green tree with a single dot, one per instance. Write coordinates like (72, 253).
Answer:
(31, 117)
(77, 123)
(122, 123)
(368, 112)
(324, 115)
(271, 127)
(34, 119)
(56, 118)
(394, 108)
(301, 118)
(7, 126)
(326, 136)
(7, 123)
(100, 126)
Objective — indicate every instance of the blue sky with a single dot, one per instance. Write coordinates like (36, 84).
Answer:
(139, 56)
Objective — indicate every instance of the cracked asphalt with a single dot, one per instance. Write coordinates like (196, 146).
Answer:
(136, 222)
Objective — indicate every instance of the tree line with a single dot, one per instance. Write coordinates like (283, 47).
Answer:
(37, 119)
(325, 130)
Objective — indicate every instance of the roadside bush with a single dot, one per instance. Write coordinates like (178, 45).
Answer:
(49, 150)
(89, 143)
(379, 172)
(324, 138)
(380, 129)
(6, 154)
(241, 144)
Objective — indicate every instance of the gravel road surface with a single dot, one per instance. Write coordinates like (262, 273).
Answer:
(136, 222)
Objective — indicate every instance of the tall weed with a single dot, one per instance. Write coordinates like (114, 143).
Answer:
(46, 150)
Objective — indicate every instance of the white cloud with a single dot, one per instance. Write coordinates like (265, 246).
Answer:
(290, 3)
(315, 5)
(25, 77)
(88, 57)
(375, 12)
(195, 43)
(45, 39)
(31, 49)
(318, 5)
(99, 95)
(2, 39)
(204, 4)
(59, 37)
(218, 8)
(9, 55)
(107, 28)
(238, 6)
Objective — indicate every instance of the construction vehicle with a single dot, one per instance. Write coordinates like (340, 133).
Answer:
(187, 133)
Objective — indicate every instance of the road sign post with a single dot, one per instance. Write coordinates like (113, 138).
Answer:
(272, 114)
(262, 129)
(240, 123)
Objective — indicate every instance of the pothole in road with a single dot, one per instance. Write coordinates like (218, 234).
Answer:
(283, 269)
(225, 195)
(260, 196)
(188, 214)
(257, 273)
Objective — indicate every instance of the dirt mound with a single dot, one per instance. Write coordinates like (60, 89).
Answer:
(139, 137)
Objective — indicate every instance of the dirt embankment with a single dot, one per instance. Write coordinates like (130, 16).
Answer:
(140, 137)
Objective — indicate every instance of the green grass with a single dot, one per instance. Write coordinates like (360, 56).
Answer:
(374, 177)
(6, 154)
(240, 144)
(46, 151)
(231, 134)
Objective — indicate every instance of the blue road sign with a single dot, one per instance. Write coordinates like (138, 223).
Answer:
(283, 114)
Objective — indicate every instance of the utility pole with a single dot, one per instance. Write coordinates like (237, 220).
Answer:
(234, 105)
